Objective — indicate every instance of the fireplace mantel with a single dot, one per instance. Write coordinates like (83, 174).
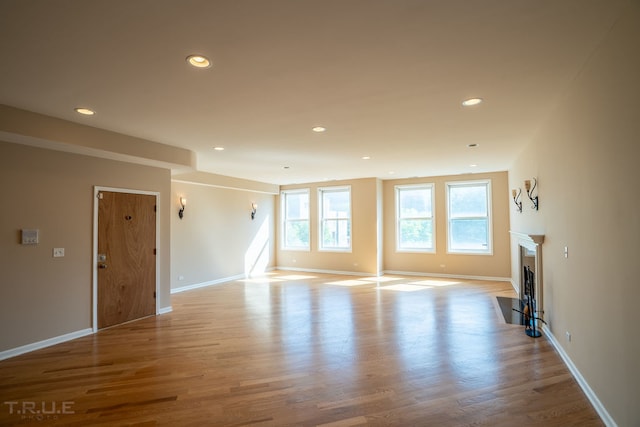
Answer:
(532, 242)
(537, 239)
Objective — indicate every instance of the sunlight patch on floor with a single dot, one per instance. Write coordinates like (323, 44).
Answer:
(403, 288)
(296, 277)
(261, 280)
(380, 279)
(434, 283)
(351, 282)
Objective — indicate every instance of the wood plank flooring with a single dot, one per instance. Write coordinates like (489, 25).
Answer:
(294, 349)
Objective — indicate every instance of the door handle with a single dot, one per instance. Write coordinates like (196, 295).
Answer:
(102, 265)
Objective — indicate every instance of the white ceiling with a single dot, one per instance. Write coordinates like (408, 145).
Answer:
(386, 78)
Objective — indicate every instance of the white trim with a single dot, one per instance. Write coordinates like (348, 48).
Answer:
(538, 239)
(207, 283)
(94, 299)
(532, 242)
(321, 271)
(320, 194)
(431, 187)
(593, 398)
(283, 219)
(165, 310)
(226, 187)
(44, 343)
(450, 276)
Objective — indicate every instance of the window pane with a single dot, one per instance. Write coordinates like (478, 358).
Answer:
(336, 233)
(335, 218)
(335, 204)
(297, 234)
(469, 234)
(416, 234)
(296, 220)
(297, 206)
(415, 203)
(468, 201)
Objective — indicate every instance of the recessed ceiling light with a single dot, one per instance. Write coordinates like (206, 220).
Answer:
(319, 129)
(473, 165)
(471, 101)
(472, 145)
(391, 172)
(285, 167)
(366, 158)
(199, 61)
(84, 111)
(218, 148)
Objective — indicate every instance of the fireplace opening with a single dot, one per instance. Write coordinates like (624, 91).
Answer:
(527, 308)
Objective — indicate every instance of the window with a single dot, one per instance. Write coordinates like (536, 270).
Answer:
(335, 218)
(469, 217)
(414, 216)
(295, 214)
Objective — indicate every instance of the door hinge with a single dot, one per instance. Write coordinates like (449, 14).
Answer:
(154, 251)
(154, 294)
(155, 208)
(100, 196)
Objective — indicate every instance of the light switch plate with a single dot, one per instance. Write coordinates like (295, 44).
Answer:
(58, 252)
(30, 236)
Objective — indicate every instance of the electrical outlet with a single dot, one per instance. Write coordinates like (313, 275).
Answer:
(566, 252)
(568, 335)
(58, 252)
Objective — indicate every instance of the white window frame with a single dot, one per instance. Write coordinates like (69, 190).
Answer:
(489, 217)
(283, 209)
(431, 188)
(321, 219)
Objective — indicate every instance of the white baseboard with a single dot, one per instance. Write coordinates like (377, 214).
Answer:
(165, 310)
(448, 276)
(44, 343)
(599, 407)
(208, 283)
(321, 271)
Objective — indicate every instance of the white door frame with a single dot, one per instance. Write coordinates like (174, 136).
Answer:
(94, 263)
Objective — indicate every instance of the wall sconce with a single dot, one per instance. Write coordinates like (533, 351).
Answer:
(517, 199)
(183, 202)
(254, 208)
(534, 199)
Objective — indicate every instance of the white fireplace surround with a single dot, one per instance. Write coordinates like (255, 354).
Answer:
(532, 242)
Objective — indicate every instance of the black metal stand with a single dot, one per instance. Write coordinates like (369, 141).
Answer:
(529, 306)
(531, 329)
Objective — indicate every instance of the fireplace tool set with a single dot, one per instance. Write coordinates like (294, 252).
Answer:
(528, 304)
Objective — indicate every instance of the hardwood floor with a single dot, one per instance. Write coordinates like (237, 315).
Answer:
(293, 349)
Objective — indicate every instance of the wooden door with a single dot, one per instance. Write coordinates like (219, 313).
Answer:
(126, 257)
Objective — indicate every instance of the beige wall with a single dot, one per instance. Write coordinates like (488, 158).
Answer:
(26, 127)
(496, 265)
(42, 297)
(586, 158)
(365, 221)
(373, 222)
(217, 239)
